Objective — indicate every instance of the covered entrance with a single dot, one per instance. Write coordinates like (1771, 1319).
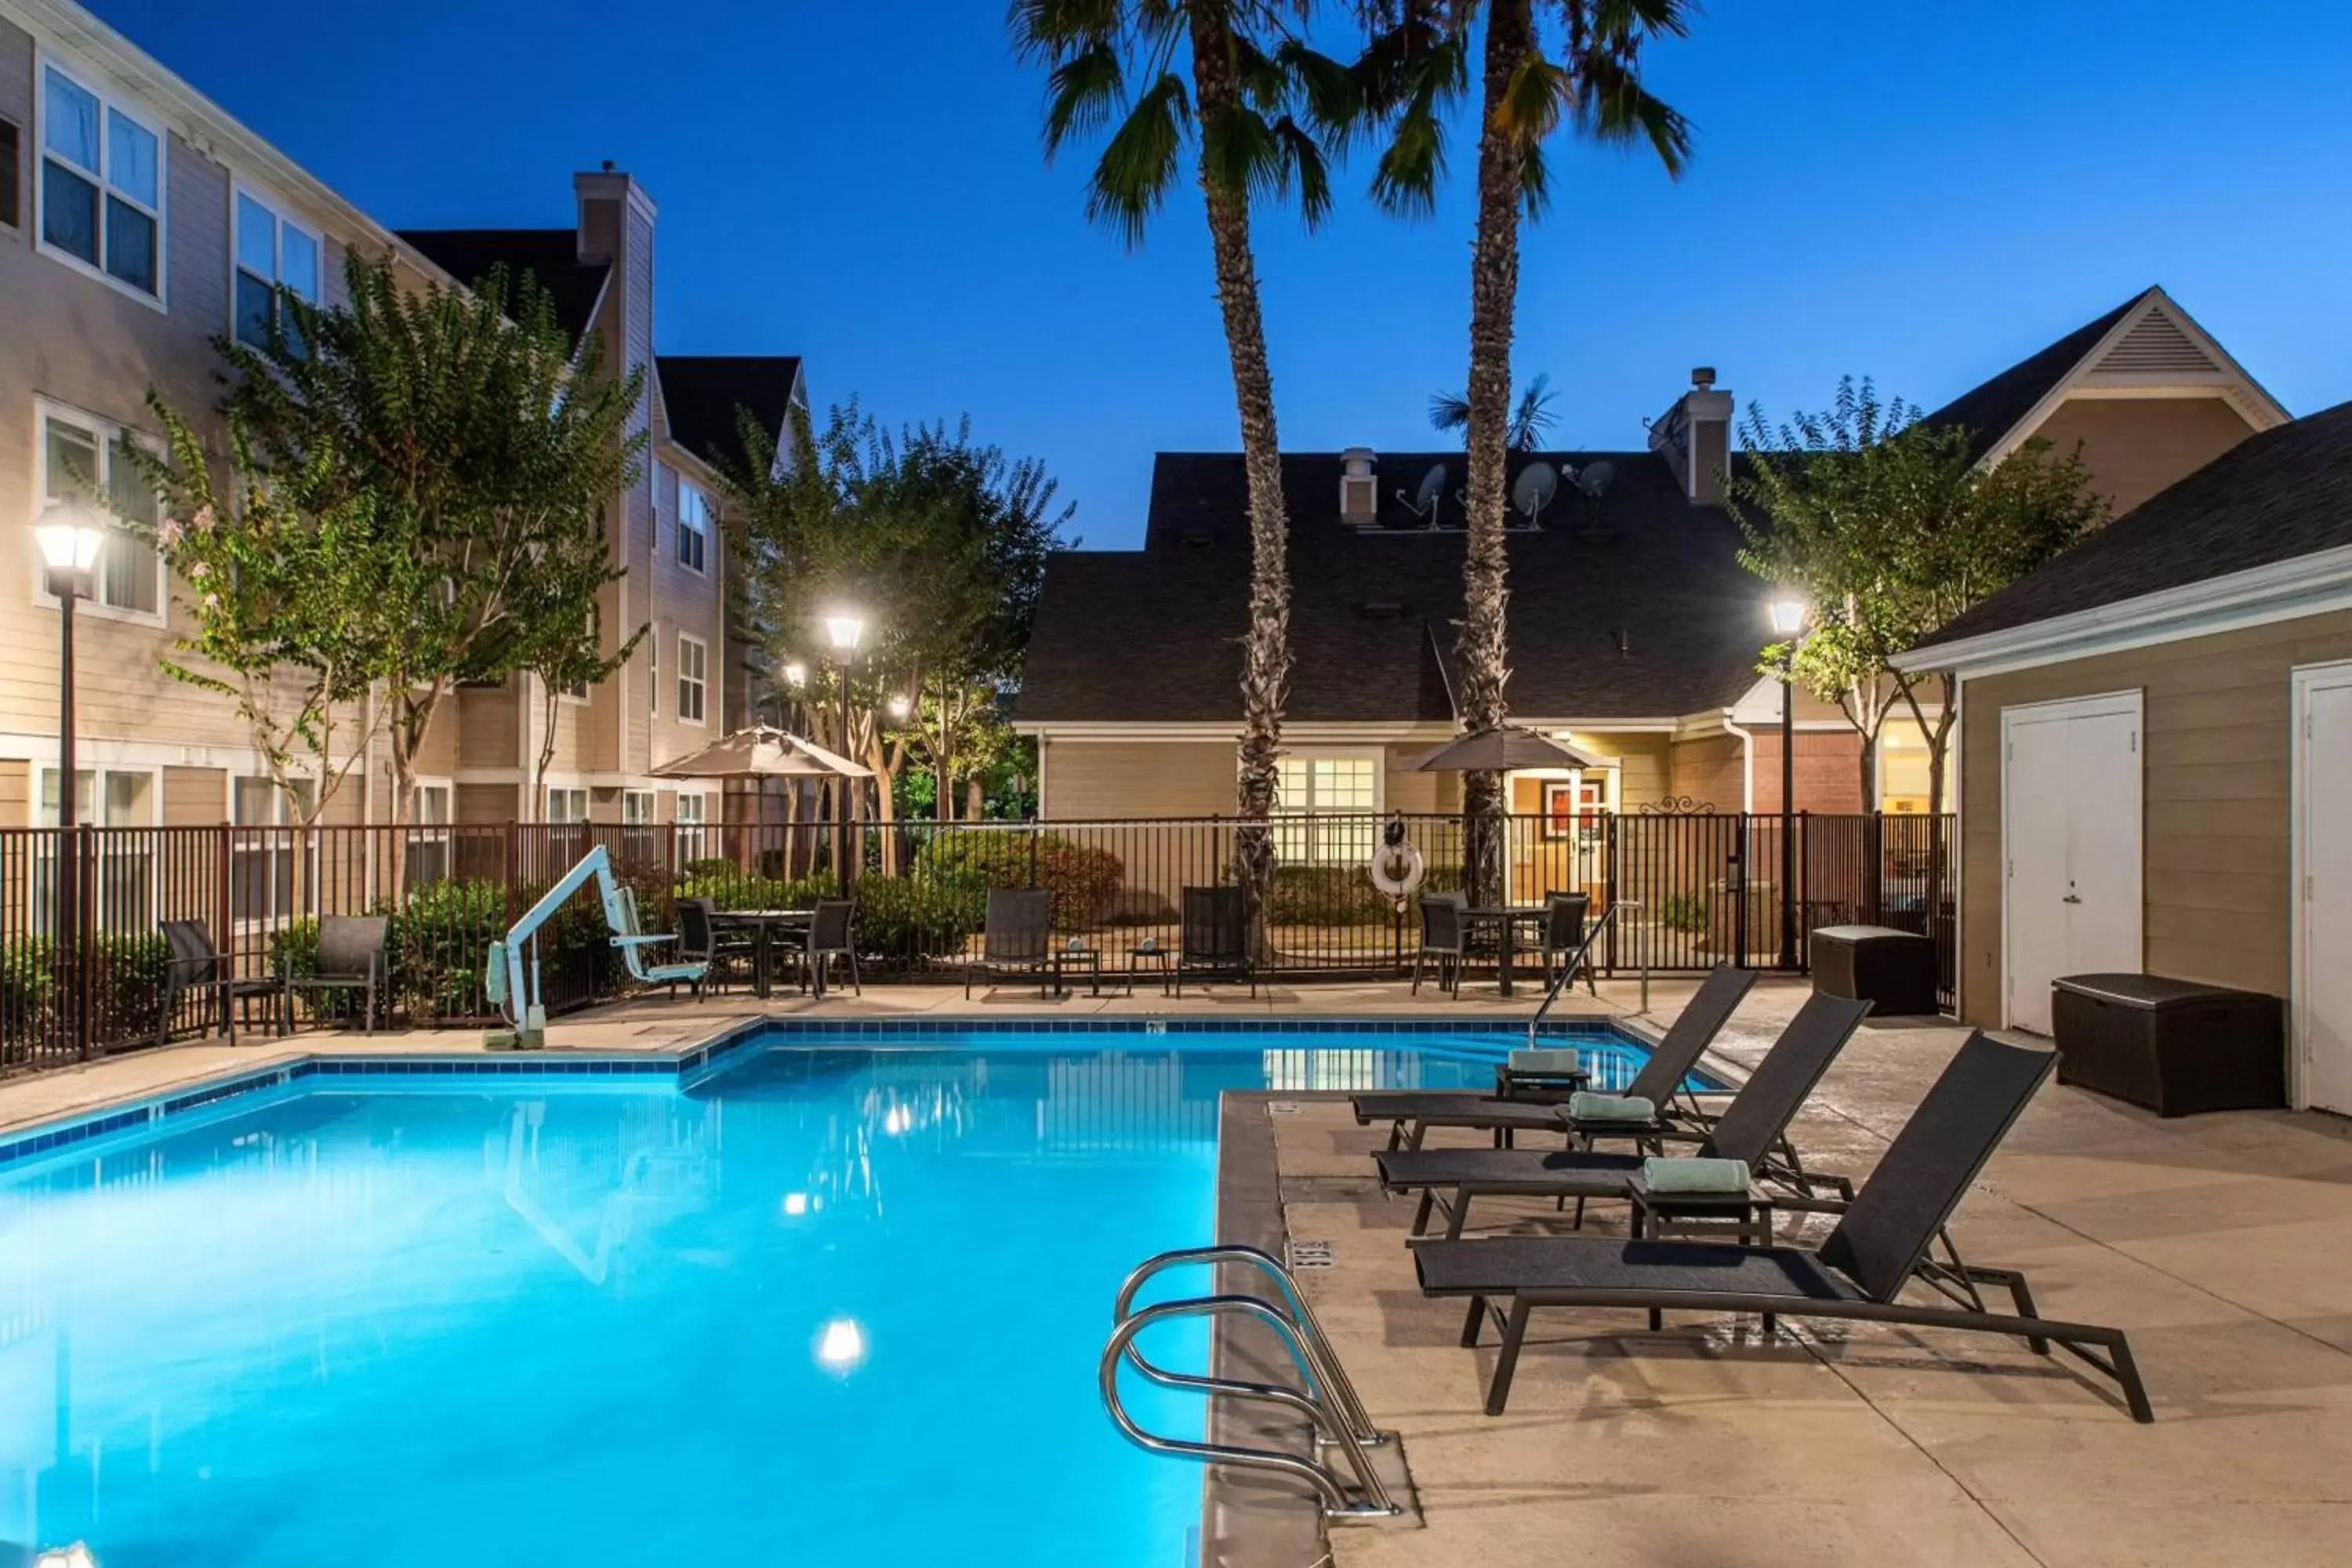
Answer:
(1560, 839)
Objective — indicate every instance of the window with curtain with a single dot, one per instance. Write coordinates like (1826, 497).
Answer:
(272, 252)
(101, 184)
(82, 462)
(1326, 808)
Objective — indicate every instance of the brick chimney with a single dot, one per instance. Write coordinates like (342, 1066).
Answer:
(1359, 493)
(1694, 437)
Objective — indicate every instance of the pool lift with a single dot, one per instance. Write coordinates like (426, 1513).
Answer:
(517, 994)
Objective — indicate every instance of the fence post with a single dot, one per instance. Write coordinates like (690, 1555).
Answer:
(509, 850)
(1737, 878)
(1874, 840)
(1804, 943)
(223, 905)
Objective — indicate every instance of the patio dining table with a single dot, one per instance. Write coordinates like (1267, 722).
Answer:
(1506, 919)
(764, 925)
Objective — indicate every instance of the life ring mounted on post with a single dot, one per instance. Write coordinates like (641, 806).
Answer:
(1396, 867)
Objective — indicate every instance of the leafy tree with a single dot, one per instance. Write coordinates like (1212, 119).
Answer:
(1229, 78)
(1546, 66)
(558, 635)
(1891, 528)
(1450, 411)
(480, 446)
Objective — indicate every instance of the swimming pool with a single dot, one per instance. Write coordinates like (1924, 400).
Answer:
(838, 1301)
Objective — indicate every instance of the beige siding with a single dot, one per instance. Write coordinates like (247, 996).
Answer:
(2134, 446)
(195, 797)
(479, 803)
(488, 725)
(16, 792)
(2215, 749)
(1096, 780)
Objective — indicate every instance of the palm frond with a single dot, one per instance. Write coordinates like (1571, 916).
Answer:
(1141, 163)
(1612, 106)
(1412, 166)
(1449, 411)
(1046, 31)
(1302, 156)
(1330, 91)
(1534, 416)
(1082, 93)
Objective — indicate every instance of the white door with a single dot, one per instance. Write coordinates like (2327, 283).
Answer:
(2324, 837)
(2071, 835)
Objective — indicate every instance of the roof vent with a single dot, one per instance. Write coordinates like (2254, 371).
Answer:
(1382, 609)
(2155, 345)
(1359, 496)
(1196, 539)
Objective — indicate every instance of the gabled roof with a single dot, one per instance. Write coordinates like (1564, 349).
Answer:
(1640, 610)
(701, 393)
(550, 255)
(1992, 409)
(2281, 493)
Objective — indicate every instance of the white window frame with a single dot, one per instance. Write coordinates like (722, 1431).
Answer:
(700, 529)
(573, 795)
(44, 915)
(1316, 852)
(109, 103)
(282, 814)
(639, 808)
(692, 834)
(701, 683)
(108, 435)
(653, 676)
(421, 833)
(238, 191)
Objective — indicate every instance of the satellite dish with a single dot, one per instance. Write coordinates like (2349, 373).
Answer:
(1426, 501)
(1537, 483)
(1594, 476)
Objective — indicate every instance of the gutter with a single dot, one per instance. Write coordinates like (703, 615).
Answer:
(1747, 764)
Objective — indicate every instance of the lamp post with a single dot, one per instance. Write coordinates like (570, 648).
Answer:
(68, 537)
(1788, 622)
(844, 630)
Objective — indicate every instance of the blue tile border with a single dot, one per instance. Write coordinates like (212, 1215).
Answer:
(698, 1063)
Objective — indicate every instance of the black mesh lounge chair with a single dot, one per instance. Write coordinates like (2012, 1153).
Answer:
(1017, 937)
(194, 966)
(1441, 939)
(1411, 1112)
(830, 936)
(1563, 935)
(1214, 938)
(1888, 1237)
(1752, 1130)
(721, 953)
(350, 958)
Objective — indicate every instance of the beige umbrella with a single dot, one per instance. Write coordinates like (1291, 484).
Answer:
(762, 752)
(1503, 748)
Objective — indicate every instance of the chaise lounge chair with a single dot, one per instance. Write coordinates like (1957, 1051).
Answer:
(1411, 1112)
(1884, 1240)
(1016, 938)
(1752, 1130)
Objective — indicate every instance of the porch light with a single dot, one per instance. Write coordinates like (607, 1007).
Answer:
(844, 630)
(70, 537)
(796, 674)
(1787, 616)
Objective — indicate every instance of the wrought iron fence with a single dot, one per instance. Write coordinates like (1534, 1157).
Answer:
(1701, 888)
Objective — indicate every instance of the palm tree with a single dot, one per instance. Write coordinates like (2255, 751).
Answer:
(1120, 66)
(1545, 65)
(1450, 411)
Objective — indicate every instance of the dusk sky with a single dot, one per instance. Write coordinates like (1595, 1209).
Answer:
(1920, 194)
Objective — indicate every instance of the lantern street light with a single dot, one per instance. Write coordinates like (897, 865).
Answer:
(844, 630)
(68, 536)
(900, 705)
(1789, 622)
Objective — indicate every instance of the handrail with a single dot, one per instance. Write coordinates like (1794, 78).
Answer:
(1374, 1499)
(1319, 1365)
(1566, 975)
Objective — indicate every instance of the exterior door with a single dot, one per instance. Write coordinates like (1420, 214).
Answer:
(2071, 837)
(2323, 1002)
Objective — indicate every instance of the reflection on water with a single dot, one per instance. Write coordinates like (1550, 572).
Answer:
(361, 1328)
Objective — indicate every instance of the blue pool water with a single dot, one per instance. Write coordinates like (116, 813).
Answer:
(833, 1304)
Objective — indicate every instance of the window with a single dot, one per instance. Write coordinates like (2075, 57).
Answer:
(640, 840)
(102, 185)
(271, 252)
(689, 826)
(693, 526)
(428, 844)
(12, 195)
(1326, 808)
(693, 663)
(262, 845)
(652, 675)
(81, 460)
(567, 805)
(122, 883)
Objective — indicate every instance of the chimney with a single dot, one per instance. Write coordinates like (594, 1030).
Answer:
(1359, 494)
(1694, 439)
(613, 211)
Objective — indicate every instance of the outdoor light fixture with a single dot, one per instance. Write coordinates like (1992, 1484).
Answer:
(796, 673)
(1789, 620)
(900, 706)
(845, 631)
(68, 535)
(70, 538)
(1787, 616)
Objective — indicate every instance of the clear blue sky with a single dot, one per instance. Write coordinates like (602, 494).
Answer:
(1919, 193)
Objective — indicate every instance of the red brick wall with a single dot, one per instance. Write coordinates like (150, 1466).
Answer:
(1829, 770)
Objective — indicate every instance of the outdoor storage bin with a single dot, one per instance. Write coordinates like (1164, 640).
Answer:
(2173, 1046)
(1893, 970)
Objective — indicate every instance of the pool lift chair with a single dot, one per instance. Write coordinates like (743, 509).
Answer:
(518, 993)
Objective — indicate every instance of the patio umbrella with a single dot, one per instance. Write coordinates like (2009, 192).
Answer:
(1502, 748)
(762, 752)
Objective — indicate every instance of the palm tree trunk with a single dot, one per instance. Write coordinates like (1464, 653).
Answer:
(1266, 643)
(1483, 649)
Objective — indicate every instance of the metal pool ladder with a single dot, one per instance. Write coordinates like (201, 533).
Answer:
(1324, 1395)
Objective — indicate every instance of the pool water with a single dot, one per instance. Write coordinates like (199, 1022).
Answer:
(833, 1304)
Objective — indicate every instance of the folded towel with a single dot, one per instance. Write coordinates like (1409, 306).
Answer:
(1552, 1061)
(1611, 1108)
(1728, 1176)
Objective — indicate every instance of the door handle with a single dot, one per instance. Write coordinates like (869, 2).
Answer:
(2070, 899)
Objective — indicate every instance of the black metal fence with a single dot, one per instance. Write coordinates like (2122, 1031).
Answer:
(1698, 890)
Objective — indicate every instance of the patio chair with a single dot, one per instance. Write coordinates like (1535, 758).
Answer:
(1441, 938)
(1885, 1239)
(350, 957)
(1752, 1130)
(1016, 938)
(1411, 1112)
(1563, 936)
(831, 936)
(700, 940)
(194, 965)
(1213, 937)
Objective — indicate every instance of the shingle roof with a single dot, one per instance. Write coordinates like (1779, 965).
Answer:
(702, 392)
(1990, 409)
(1640, 611)
(552, 255)
(2284, 492)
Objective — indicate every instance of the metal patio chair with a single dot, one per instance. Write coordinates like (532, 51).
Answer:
(195, 966)
(831, 935)
(350, 957)
(1016, 938)
(1214, 936)
(1442, 938)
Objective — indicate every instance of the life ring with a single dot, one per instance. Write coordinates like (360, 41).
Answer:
(1396, 869)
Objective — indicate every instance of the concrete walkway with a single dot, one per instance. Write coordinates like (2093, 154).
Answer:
(2223, 1244)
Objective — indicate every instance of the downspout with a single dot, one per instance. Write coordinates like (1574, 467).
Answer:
(1746, 764)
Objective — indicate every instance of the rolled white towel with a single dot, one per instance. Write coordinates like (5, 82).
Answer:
(1727, 1177)
(1551, 1061)
(1611, 1108)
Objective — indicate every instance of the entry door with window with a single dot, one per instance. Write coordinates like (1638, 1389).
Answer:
(2071, 838)
(2323, 891)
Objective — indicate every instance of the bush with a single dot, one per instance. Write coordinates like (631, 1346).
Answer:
(912, 920)
(1085, 880)
(1328, 896)
(126, 990)
(1685, 912)
(730, 889)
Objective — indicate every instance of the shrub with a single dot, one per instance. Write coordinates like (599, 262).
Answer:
(126, 989)
(912, 920)
(1085, 880)
(730, 889)
(1685, 912)
(1328, 896)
